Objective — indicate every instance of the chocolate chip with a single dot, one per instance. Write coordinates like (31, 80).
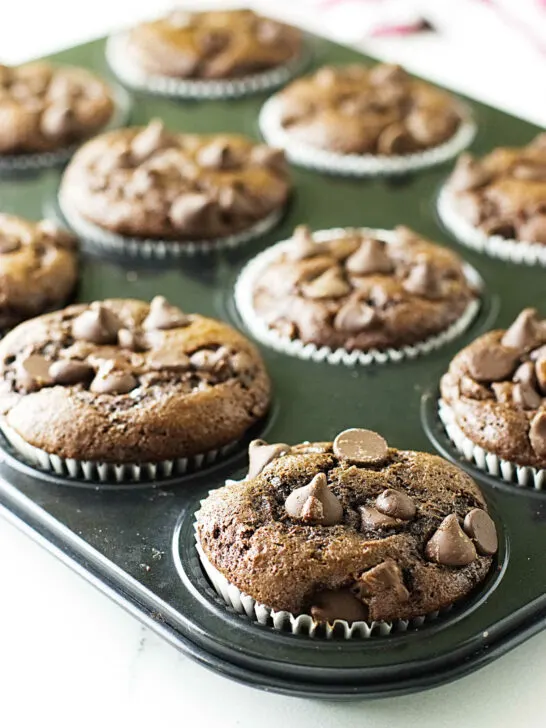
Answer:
(70, 371)
(171, 359)
(218, 155)
(468, 174)
(385, 578)
(523, 334)
(163, 316)
(491, 363)
(209, 360)
(329, 284)
(372, 519)
(270, 157)
(526, 397)
(481, 528)
(329, 605)
(537, 433)
(395, 503)
(315, 503)
(112, 381)
(261, 454)
(388, 73)
(395, 139)
(151, 139)
(526, 374)
(58, 120)
(190, 208)
(98, 324)
(355, 316)
(540, 369)
(450, 546)
(423, 281)
(8, 244)
(360, 447)
(32, 372)
(532, 171)
(371, 257)
(504, 227)
(303, 246)
(132, 340)
(533, 230)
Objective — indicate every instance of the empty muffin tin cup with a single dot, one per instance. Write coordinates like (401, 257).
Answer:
(119, 58)
(101, 472)
(360, 165)
(518, 475)
(252, 272)
(513, 251)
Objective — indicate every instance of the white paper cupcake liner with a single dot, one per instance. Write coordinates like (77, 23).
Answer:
(520, 475)
(104, 240)
(100, 472)
(515, 251)
(44, 160)
(119, 59)
(359, 165)
(251, 273)
(303, 624)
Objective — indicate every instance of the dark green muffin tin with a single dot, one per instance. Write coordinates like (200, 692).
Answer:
(136, 544)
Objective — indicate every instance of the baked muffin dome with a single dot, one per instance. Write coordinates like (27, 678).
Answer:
(45, 107)
(349, 530)
(124, 381)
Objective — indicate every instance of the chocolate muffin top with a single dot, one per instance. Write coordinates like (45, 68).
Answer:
(496, 388)
(359, 110)
(124, 381)
(151, 183)
(45, 107)
(38, 268)
(504, 193)
(358, 292)
(213, 45)
(349, 530)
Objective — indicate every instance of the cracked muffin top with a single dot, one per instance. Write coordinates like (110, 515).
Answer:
(213, 45)
(358, 291)
(496, 388)
(359, 110)
(126, 381)
(44, 107)
(152, 183)
(349, 530)
(504, 193)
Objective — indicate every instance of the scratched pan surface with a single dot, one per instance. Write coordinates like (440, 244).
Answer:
(137, 545)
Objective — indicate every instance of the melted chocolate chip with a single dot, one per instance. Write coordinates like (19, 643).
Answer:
(481, 528)
(372, 519)
(523, 333)
(70, 371)
(537, 433)
(261, 454)
(395, 503)
(32, 372)
(98, 324)
(163, 316)
(360, 447)
(450, 546)
(384, 578)
(491, 363)
(371, 257)
(329, 605)
(355, 316)
(315, 503)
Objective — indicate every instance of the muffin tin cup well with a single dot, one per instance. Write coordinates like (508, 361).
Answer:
(119, 59)
(46, 160)
(101, 240)
(514, 251)
(518, 475)
(303, 624)
(360, 165)
(123, 473)
(295, 347)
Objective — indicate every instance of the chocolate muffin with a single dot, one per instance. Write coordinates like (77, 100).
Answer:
(495, 392)
(38, 268)
(149, 183)
(351, 530)
(212, 45)
(355, 112)
(355, 289)
(45, 108)
(501, 195)
(124, 381)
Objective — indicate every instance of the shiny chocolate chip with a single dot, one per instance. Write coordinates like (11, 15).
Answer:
(395, 503)
(371, 257)
(163, 316)
(329, 284)
(113, 381)
(302, 244)
(540, 369)
(360, 447)
(491, 363)
(32, 372)
(132, 340)
(70, 371)
(481, 528)
(330, 605)
(385, 578)
(450, 546)
(98, 324)
(523, 334)
(315, 503)
(355, 316)
(526, 396)
(169, 359)
(261, 454)
(371, 519)
(423, 281)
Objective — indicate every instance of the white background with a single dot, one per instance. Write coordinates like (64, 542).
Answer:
(68, 657)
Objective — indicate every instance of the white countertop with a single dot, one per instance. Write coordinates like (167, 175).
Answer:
(68, 656)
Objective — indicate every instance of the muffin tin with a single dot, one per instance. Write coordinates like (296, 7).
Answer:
(136, 542)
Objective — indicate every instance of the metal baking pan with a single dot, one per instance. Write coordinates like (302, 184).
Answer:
(136, 544)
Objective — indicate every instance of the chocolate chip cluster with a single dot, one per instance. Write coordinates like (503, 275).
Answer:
(97, 352)
(358, 110)
(45, 107)
(504, 193)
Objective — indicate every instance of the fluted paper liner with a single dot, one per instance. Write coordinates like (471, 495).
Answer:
(44, 160)
(519, 475)
(251, 273)
(100, 472)
(515, 251)
(360, 165)
(119, 58)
